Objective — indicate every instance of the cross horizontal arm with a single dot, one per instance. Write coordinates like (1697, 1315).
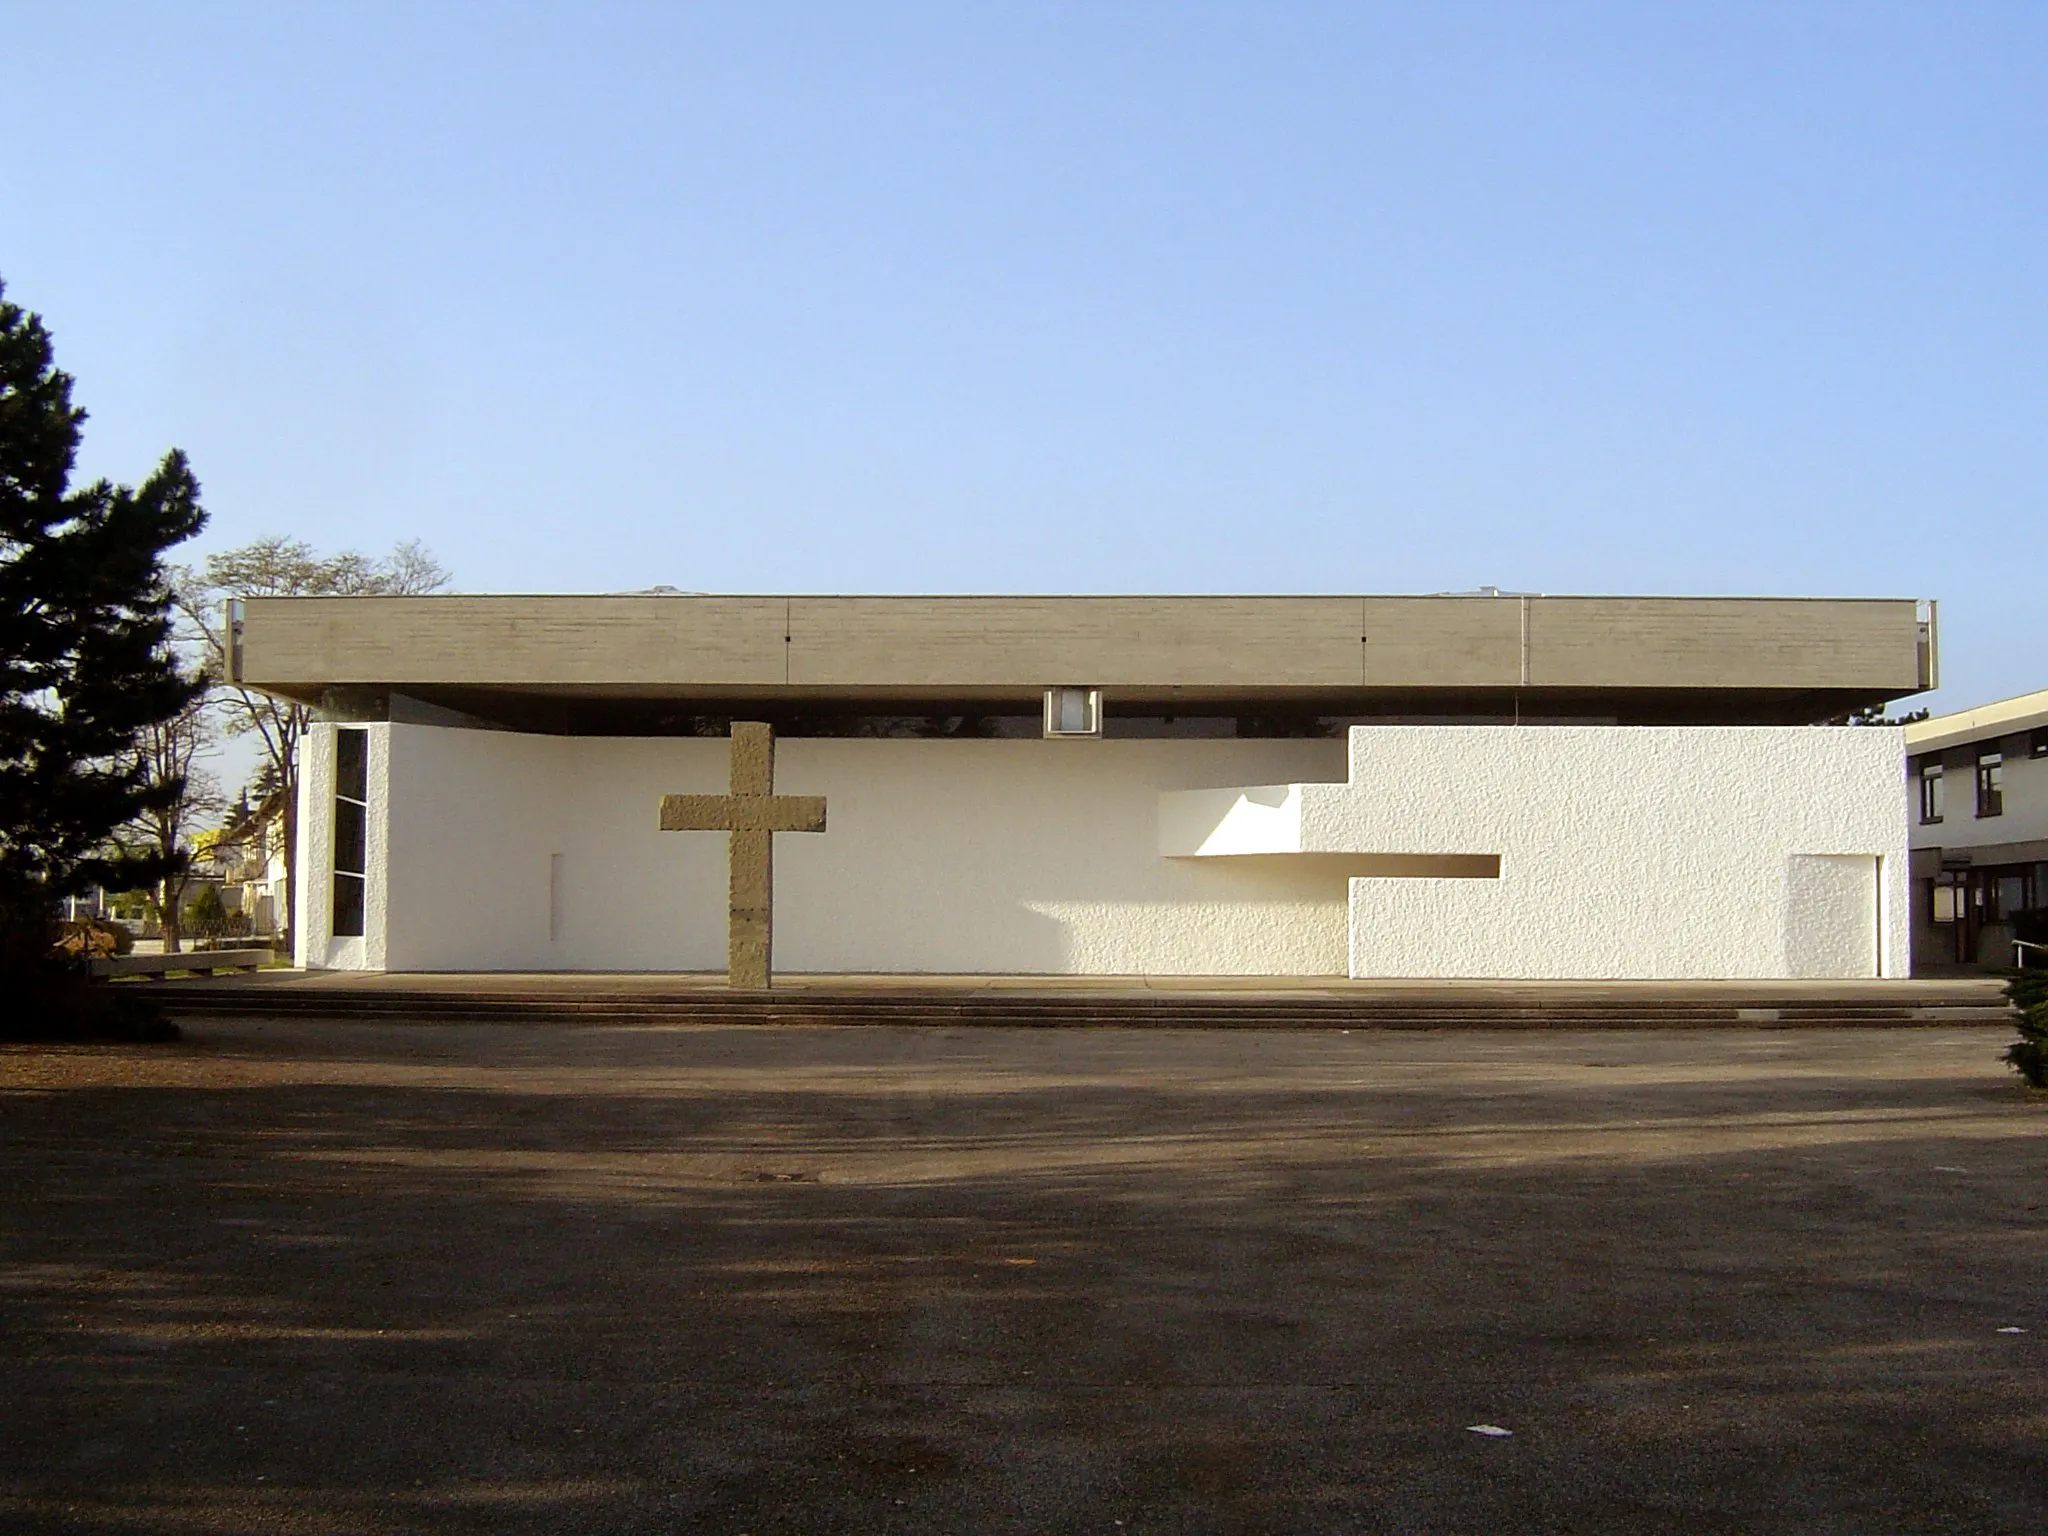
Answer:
(780, 813)
(696, 813)
(742, 813)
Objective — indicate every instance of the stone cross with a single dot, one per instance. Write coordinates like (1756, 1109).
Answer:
(751, 815)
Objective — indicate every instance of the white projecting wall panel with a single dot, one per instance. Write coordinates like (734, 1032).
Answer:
(1579, 852)
(1658, 853)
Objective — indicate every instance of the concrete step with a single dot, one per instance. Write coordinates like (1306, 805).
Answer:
(1173, 1010)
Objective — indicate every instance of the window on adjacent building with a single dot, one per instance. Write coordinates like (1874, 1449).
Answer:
(1990, 784)
(2008, 895)
(351, 830)
(1930, 793)
(2037, 743)
(1945, 904)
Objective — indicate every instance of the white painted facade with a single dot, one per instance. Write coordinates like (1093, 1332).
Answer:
(2016, 730)
(1980, 859)
(1494, 851)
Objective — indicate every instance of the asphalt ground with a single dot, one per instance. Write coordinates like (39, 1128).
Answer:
(352, 1278)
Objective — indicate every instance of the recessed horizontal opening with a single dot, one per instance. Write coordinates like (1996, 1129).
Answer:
(1424, 866)
(1373, 866)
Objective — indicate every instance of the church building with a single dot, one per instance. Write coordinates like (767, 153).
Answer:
(1487, 785)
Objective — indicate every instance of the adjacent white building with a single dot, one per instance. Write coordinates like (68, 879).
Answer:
(1978, 784)
(1401, 787)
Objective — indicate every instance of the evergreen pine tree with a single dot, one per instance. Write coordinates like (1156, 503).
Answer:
(85, 661)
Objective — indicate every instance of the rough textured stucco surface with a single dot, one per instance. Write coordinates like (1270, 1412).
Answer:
(313, 941)
(314, 918)
(1626, 851)
(1831, 909)
(948, 856)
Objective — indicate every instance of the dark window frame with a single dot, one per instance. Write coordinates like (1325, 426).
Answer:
(1931, 778)
(1990, 784)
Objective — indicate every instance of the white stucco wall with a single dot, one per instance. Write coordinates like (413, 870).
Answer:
(1623, 852)
(1038, 857)
(1226, 823)
(1626, 851)
(516, 852)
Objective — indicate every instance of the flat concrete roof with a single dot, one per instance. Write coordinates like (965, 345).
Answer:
(1986, 722)
(1772, 658)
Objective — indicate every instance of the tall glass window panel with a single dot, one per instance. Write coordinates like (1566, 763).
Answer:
(352, 765)
(351, 836)
(351, 830)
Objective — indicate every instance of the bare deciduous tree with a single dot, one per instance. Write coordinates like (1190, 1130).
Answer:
(167, 756)
(281, 567)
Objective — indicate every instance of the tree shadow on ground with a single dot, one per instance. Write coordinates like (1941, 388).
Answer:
(819, 1285)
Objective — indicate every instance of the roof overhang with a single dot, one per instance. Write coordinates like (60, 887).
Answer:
(1789, 658)
(2007, 717)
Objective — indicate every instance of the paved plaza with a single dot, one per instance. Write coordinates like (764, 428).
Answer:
(378, 1278)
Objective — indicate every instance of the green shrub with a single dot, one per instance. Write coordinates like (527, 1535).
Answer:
(207, 911)
(51, 995)
(2028, 1055)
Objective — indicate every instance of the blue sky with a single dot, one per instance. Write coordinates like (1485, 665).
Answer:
(1682, 298)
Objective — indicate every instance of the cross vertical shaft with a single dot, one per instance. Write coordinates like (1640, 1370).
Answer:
(750, 816)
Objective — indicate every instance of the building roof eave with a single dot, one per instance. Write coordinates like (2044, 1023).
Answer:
(2004, 717)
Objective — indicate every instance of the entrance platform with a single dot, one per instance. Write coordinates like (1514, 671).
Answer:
(1271, 1002)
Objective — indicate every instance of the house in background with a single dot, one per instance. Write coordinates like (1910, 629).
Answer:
(247, 858)
(1979, 787)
